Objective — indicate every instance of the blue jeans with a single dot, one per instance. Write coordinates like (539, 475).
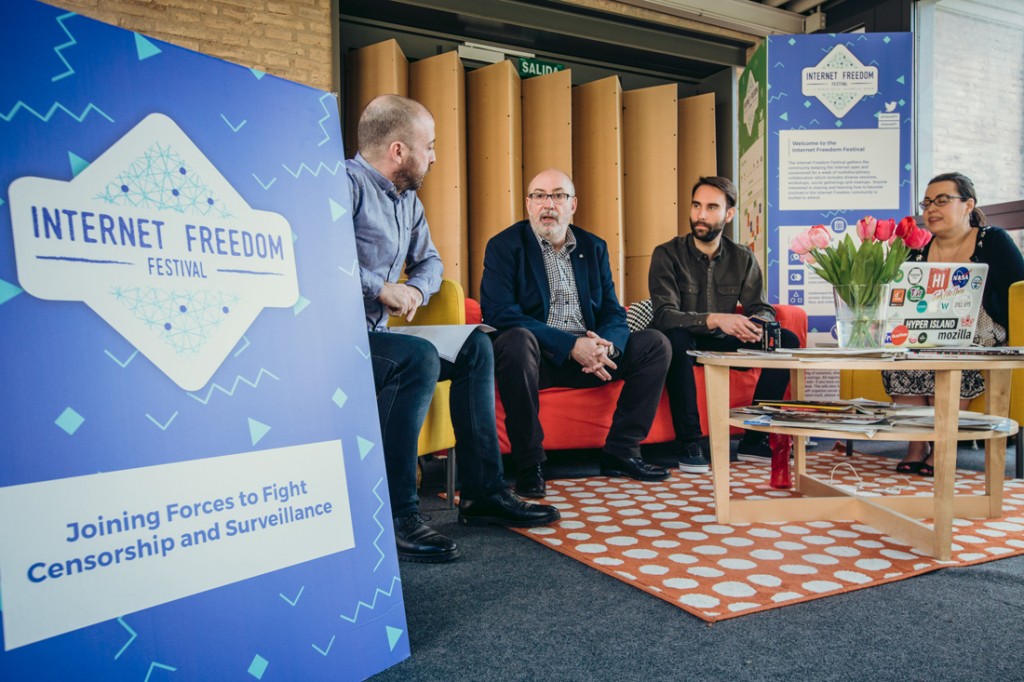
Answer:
(405, 371)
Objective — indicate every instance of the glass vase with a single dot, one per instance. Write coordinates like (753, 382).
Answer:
(861, 312)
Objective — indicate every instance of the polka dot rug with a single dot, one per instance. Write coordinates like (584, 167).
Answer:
(663, 538)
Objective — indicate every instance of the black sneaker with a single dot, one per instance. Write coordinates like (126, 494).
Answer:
(754, 449)
(693, 459)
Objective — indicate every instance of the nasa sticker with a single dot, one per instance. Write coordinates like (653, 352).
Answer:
(960, 277)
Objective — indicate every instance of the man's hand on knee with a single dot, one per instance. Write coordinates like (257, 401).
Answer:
(401, 300)
(740, 326)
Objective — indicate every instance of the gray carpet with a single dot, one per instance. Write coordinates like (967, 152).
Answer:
(511, 609)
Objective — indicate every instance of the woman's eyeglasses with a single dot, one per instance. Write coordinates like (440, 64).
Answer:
(939, 201)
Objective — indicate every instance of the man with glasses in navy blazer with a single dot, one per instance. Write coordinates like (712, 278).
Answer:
(547, 288)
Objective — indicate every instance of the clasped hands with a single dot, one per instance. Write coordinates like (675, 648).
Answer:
(592, 353)
(401, 300)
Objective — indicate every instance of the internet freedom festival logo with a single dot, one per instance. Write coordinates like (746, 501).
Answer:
(157, 242)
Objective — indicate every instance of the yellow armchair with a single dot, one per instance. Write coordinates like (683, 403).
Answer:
(865, 384)
(1015, 337)
(447, 306)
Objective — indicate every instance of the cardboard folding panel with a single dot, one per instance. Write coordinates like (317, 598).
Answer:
(650, 128)
(494, 137)
(637, 268)
(697, 149)
(439, 83)
(547, 124)
(378, 69)
(597, 164)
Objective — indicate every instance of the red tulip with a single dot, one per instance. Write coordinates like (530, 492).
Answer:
(884, 229)
(918, 239)
(906, 226)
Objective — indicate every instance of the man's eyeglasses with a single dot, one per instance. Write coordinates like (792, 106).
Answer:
(939, 201)
(542, 197)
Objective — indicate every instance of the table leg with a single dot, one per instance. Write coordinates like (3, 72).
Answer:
(947, 416)
(716, 381)
(997, 402)
(796, 388)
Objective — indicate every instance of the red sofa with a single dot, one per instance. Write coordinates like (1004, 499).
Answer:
(580, 417)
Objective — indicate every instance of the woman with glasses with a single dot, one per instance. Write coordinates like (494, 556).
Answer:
(960, 235)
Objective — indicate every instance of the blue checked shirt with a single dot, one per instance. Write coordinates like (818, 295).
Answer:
(391, 233)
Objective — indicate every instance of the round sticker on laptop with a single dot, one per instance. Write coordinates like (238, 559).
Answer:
(960, 277)
(915, 293)
(915, 275)
(976, 282)
(922, 306)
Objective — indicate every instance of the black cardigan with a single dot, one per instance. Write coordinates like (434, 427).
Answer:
(994, 246)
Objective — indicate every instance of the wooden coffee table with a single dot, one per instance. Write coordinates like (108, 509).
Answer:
(896, 515)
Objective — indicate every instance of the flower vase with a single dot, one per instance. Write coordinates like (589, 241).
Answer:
(861, 312)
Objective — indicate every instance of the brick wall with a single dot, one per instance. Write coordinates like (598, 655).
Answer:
(978, 96)
(288, 38)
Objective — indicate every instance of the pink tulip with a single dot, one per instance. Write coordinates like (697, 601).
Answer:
(800, 244)
(808, 258)
(819, 237)
(866, 229)
(884, 229)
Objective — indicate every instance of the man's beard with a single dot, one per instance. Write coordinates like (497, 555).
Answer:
(546, 231)
(712, 231)
(405, 179)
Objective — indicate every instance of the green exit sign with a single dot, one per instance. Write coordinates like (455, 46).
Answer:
(535, 67)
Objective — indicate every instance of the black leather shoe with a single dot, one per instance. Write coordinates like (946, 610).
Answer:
(530, 483)
(634, 467)
(417, 541)
(504, 508)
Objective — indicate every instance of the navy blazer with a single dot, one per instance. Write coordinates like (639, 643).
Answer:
(514, 290)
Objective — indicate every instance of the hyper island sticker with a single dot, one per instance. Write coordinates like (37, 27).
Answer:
(159, 244)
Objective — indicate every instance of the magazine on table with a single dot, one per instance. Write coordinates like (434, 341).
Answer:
(857, 416)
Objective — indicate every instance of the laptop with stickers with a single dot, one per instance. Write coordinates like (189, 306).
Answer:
(935, 304)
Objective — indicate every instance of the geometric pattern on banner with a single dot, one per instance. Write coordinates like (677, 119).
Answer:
(184, 319)
(161, 179)
(663, 537)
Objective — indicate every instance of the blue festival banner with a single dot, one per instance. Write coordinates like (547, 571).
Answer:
(837, 145)
(193, 483)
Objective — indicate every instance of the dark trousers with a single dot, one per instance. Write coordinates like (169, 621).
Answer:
(405, 371)
(682, 388)
(522, 372)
